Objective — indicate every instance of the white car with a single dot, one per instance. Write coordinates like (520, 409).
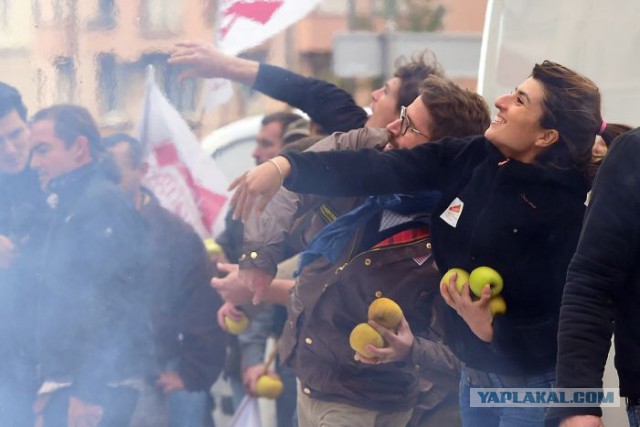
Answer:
(231, 145)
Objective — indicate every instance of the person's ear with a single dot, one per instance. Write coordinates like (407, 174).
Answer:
(81, 148)
(548, 138)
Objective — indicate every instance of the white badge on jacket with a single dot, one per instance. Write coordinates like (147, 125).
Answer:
(452, 214)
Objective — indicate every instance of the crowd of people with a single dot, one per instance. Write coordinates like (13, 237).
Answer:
(106, 301)
(109, 300)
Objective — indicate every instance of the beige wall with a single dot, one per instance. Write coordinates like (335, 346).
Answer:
(464, 16)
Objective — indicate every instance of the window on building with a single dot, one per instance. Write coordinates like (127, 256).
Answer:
(181, 95)
(65, 79)
(49, 11)
(107, 83)
(161, 15)
(105, 16)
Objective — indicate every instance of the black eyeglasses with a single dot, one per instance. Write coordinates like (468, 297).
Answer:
(406, 124)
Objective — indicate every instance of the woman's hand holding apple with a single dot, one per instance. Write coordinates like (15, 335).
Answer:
(476, 314)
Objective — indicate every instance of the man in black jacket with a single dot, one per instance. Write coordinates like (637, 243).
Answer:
(189, 343)
(602, 293)
(20, 217)
(93, 333)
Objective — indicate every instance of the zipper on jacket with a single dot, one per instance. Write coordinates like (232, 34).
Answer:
(399, 245)
(353, 247)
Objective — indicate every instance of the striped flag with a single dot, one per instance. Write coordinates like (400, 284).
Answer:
(183, 177)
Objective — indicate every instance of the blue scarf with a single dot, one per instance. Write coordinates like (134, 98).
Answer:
(332, 239)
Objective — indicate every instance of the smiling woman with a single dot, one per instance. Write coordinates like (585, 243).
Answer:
(518, 193)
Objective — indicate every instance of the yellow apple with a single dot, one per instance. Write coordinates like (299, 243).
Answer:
(385, 312)
(269, 386)
(236, 327)
(211, 246)
(463, 277)
(497, 305)
(362, 335)
(482, 276)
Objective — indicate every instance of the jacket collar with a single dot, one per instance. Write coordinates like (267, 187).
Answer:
(537, 173)
(72, 184)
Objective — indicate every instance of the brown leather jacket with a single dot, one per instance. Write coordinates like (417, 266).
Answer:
(329, 299)
(327, 302)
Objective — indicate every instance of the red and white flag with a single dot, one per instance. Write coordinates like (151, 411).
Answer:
(243, 24)
(183, 177)
(246, 23)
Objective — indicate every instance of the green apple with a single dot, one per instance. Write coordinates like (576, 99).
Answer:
(463, 277)
(497, 305)
(482, 276)
(269, 386)
(236, 327)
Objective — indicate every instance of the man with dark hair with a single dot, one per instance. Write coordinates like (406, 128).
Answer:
(21, 205)
(269, 142)
(93, 332)
(375, 250)
(189, 344)
(333, 109)
(270, 137)
(246, 351)
(330, 107)
(14, 139)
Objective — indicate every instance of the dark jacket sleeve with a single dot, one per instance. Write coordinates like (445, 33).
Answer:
(370, 172)
(327, 105)
(429, 356)
(202, 351)
(606, 253)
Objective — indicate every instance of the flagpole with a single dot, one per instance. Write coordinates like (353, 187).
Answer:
(271, 359)
(144, 134)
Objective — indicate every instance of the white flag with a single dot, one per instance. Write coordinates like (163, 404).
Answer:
(183, 177)
(247, 23)
(243, 24)
(248, 413)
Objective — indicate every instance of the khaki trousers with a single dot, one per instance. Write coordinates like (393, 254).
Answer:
(318, 413)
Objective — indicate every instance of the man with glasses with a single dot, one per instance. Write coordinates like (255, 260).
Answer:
(405, 123)
(381, 248)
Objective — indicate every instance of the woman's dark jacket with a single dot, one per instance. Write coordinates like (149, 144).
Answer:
(521, 219)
